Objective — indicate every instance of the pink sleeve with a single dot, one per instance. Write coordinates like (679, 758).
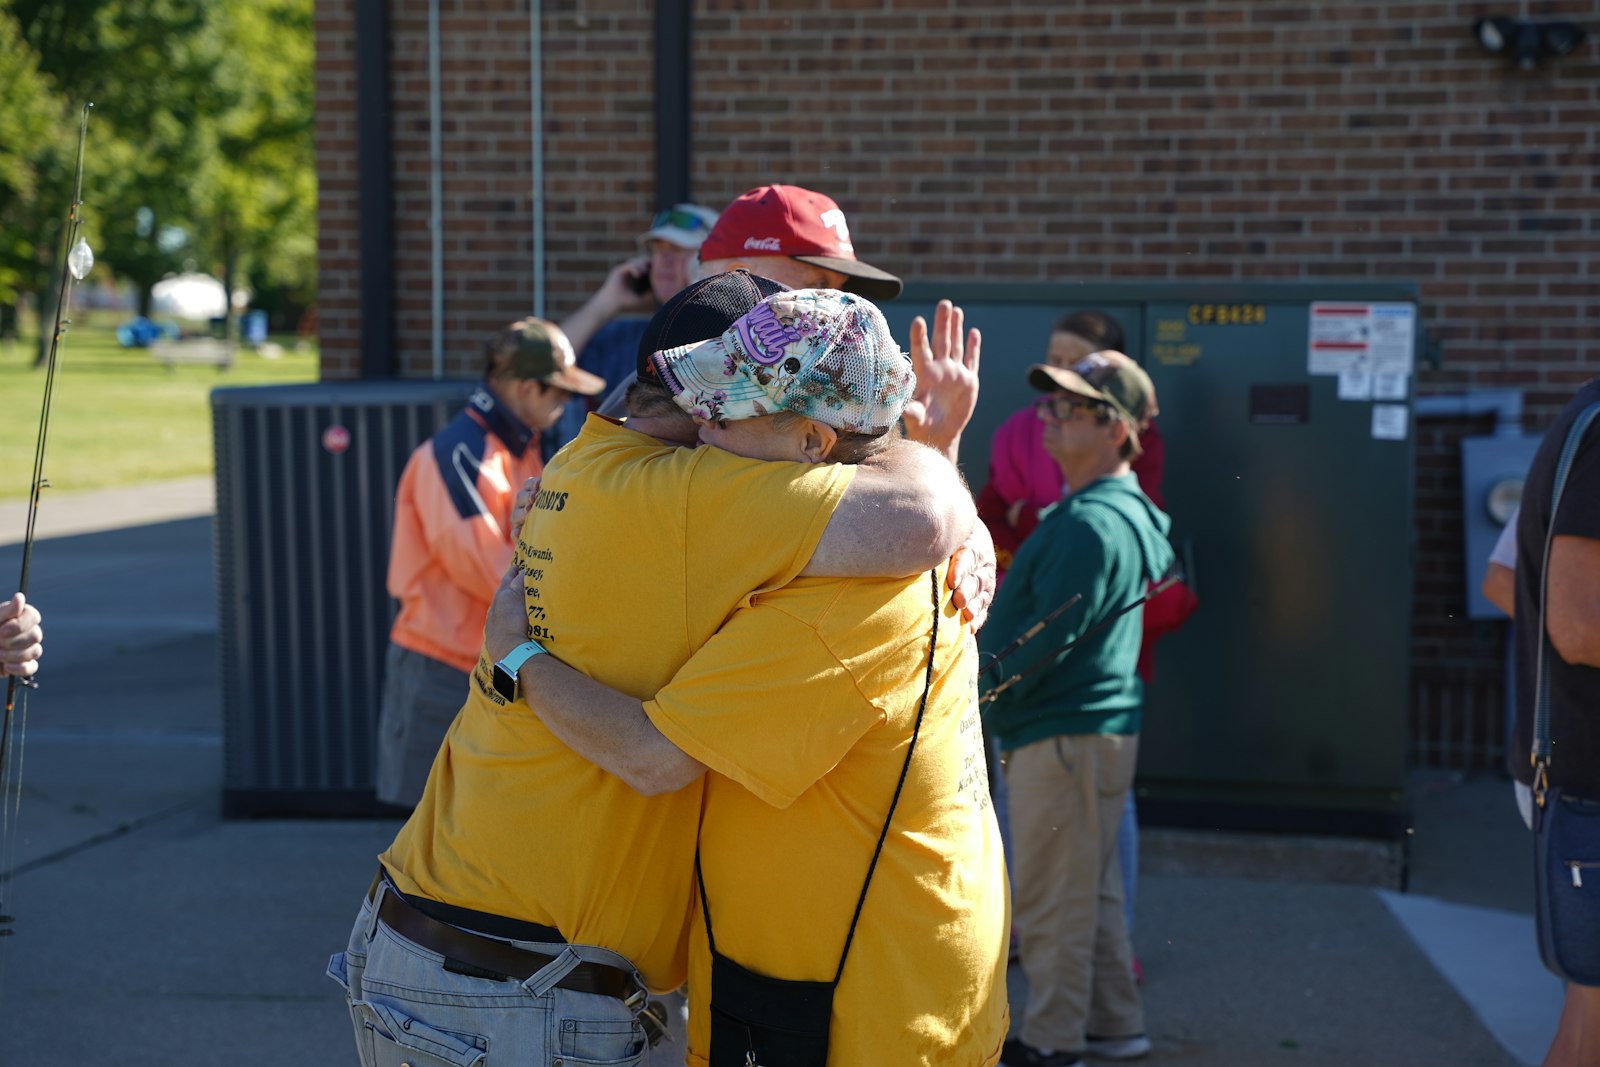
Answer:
(1019, 468)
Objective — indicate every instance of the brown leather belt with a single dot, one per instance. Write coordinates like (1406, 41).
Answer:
(484, 957)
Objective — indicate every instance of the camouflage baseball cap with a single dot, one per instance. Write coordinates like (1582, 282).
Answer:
(1107, 376)
(534, 348)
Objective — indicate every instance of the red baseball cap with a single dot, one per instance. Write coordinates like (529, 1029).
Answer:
(786, 220)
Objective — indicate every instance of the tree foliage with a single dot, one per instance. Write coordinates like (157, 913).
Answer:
(200, 151)
(30, 118)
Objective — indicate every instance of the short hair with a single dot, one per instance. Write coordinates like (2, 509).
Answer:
(851, 447)
(1096, 327)
(1127, 451)
(495, 364)
(646, 399)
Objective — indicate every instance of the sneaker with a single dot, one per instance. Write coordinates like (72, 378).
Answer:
(1015, 1053)
(1118, 1048)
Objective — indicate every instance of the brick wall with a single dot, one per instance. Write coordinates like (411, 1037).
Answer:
(1458, 669)
(1096, 140)
(338, 212)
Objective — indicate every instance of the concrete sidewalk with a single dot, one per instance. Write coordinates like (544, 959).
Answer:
(151, 932)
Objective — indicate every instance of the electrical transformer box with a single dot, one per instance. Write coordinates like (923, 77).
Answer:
(1285, 410)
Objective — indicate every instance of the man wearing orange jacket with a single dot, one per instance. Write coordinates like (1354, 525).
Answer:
(453, 537)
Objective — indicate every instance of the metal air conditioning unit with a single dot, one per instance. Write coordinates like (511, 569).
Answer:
(306, 477)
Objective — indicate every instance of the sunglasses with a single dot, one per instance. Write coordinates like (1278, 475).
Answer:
(1064, 407)
(679, 219)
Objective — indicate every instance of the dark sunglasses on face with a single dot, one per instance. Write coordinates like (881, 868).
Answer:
(1064, 407)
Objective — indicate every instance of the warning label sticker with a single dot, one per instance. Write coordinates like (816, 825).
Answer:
(1349, 339)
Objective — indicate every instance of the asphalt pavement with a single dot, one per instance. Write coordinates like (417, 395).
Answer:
(151, 932)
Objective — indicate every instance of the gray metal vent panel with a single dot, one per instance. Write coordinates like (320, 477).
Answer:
(302, 548)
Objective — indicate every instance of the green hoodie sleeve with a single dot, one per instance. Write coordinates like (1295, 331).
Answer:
(1060, 559)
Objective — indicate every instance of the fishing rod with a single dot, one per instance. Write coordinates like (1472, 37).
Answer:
(76, 260)
(1033, 631)
(1050, 658)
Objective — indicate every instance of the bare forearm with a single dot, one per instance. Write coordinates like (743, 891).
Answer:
(581, 326)
(605, 727)
(1499, 588)
(906, 511)
(1580, 647)
(1572, 613)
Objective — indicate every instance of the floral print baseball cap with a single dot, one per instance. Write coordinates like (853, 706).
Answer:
(820, 353)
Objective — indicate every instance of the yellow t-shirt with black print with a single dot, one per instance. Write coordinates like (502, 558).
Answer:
(635, 554)
(803, 706)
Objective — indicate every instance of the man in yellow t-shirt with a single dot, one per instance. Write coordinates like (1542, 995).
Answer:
(531, 897)
(803, 707)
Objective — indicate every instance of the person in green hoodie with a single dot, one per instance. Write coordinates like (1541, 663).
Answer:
(1070, 731)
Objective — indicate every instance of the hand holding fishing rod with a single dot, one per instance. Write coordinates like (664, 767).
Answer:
(21, 638)
(76, 260)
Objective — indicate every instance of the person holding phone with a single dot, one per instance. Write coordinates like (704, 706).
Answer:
(605, 331)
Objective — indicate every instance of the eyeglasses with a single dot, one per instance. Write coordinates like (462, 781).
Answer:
(1064, 407)
(679, 219)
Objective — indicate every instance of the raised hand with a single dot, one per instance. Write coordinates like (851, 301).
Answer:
(947, 379)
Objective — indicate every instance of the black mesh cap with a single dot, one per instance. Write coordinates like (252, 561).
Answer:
(700, 312)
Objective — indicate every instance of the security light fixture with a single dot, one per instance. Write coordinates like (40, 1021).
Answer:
(1526, 43)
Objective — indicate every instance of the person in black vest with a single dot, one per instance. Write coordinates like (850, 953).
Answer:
(1572, 621)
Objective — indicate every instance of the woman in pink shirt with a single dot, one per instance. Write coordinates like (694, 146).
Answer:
(1022, 478)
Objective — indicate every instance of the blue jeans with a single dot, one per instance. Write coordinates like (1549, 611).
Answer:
(407, 1009)
(1128, 856)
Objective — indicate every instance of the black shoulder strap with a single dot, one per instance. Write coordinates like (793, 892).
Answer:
(916, 729)
(927, 687)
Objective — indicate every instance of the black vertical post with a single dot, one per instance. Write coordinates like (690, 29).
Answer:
(673, 21)
(374, 184)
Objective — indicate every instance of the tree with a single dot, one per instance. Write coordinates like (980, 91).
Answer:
(200, 146)
(30, 140)
(261, 191)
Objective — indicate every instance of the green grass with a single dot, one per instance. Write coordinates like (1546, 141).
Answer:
(118, 416)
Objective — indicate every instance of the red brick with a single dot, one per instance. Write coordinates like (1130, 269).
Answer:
(1010, 140)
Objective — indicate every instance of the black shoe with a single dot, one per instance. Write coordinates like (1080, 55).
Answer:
(1015, 1053)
